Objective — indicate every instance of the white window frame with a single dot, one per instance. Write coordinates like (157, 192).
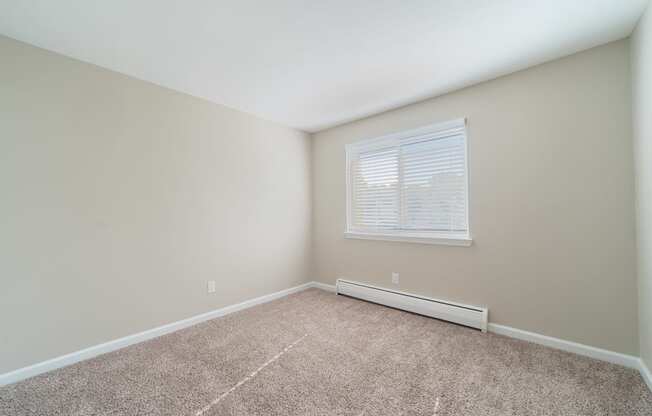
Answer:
(443, 238)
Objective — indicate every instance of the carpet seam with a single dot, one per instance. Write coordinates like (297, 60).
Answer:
(208, 407)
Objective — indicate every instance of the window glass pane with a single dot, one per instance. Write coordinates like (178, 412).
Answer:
(434, 185)
(412, 183)
(375, 190)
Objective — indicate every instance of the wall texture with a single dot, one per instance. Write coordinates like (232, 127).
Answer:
(552, 202)
(642, 116)
(121, 199)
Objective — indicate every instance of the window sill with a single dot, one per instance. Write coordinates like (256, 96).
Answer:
(443, 239)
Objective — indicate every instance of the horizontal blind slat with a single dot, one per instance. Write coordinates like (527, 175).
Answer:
(375, 183)
(433, 184)
(415, 183)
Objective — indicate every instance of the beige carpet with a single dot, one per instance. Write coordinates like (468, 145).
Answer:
(314, 353)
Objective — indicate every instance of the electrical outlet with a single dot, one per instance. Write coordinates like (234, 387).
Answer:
(395, 278)
(211, 286)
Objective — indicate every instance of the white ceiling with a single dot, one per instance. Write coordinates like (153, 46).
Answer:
(315, 64)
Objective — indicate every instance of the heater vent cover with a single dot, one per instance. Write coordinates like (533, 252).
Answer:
(472, 316)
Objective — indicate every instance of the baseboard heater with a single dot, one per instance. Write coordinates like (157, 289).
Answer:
(471, 316)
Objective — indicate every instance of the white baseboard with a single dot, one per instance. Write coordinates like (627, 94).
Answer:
(645, 373)
(574, 347)
(94, 351)
(324, 286)
(68, 359)
(630, 361)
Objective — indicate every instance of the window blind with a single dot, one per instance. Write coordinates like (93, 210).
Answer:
(411, 183)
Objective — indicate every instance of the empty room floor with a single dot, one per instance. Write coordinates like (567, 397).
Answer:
(316, 353)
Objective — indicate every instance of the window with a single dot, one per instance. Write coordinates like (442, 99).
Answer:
(411, 186)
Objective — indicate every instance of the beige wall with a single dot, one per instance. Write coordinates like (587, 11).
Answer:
(121, 199)
(552, 203)
(642, 112)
